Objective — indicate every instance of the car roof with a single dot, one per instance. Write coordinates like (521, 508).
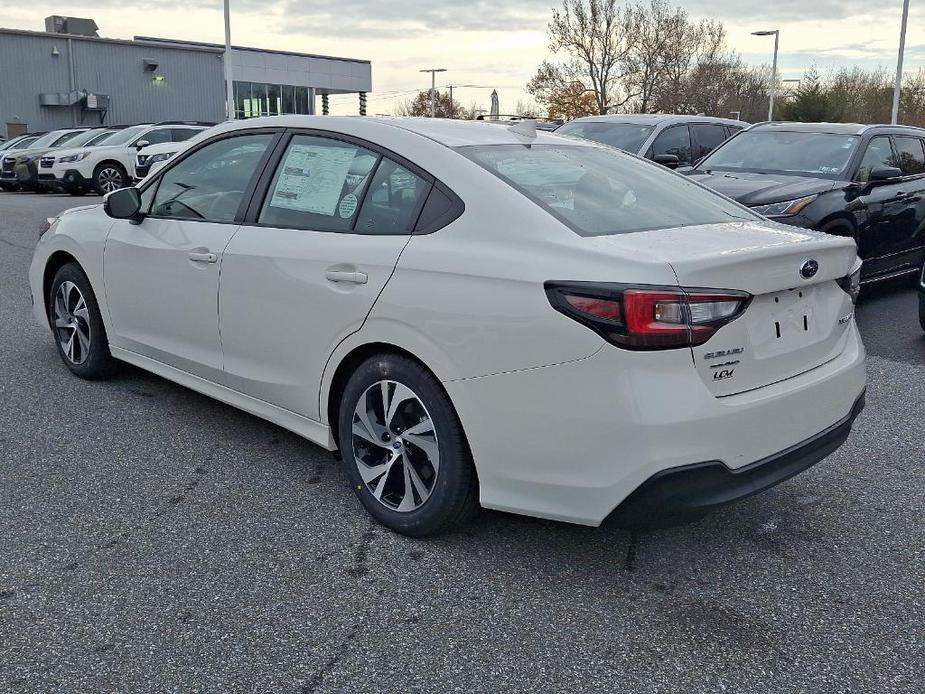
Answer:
(836, 128)
(657, 119)
(445, 131)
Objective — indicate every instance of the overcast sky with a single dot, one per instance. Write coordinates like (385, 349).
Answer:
(491, 43)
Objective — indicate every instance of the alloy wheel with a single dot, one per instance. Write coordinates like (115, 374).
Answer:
(72, 323)
(395, 446)
(109, 179)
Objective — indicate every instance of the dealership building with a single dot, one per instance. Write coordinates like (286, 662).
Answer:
(67, 76)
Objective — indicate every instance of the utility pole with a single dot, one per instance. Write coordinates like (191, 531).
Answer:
(226, 64)
(897, 86)
(433, 87)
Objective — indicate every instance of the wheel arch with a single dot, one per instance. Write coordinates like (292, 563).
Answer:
(55, 262)
(347, 364)
(841, 218)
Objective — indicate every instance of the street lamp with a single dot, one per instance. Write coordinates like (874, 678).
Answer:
(776, 34)
(433, 87)
(897, 86)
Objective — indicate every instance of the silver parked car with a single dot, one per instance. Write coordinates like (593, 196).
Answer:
(667, 139)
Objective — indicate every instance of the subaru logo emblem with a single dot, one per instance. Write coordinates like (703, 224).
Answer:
(809, 269)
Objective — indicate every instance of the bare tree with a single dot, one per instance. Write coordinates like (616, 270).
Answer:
(594, 36)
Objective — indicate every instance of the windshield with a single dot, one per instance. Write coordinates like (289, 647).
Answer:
(82, 138)
(99, 137)
(22, 144)
(625, 136)
(120, 137)
(824, 155)
(49, 139)
(598, 191)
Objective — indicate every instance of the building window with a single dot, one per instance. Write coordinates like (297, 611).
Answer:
(252, 99)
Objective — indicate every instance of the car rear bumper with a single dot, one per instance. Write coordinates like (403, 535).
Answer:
(705, 486)
(573, 441)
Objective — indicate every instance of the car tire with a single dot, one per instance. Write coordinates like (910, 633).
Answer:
(109, 176)
(77, 326)
(433, 464)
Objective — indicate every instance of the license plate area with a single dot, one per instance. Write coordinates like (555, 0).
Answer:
(792, 319)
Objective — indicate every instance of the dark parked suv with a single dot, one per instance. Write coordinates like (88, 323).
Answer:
(667, 139)
(862, 181)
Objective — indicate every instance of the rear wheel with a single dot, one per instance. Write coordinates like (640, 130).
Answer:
(109, 176)
(922, 308)
(76, 323)
(403, 447)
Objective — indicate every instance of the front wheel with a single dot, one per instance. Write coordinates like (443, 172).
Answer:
(403, 447)
(922, 308)
(76, 323)
(108, 177)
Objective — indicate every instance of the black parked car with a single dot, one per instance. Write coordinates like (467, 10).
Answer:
(862, 181)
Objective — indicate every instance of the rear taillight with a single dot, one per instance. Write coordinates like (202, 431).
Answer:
(647, 317)
(852, 285)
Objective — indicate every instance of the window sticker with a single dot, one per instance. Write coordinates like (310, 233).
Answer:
(312, 178)
(347, 206)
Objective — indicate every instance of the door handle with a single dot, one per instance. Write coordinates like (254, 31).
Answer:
(346, 276)
(203, 257)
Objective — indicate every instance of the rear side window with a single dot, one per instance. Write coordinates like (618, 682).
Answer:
(675, 140)
(209, 184)
(601, 191)
(706, 139)
(318, 185)
(879, 154)
(910, 157)
(393, 201)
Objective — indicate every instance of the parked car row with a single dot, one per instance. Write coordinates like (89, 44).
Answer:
(83, 160)
(864, 182)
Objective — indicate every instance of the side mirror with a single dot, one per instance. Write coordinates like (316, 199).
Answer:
(670, 160)
(141, 144)
(884, 173)
(124, 203)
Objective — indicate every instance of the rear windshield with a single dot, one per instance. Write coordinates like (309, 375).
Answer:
(598, 191)
(823, 155)
(625, 136)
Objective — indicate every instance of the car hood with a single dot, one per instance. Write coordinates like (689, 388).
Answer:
(761, 188)
(15, 154)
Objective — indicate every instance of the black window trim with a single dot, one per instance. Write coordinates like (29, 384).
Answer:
(248, 190)
(262, 187)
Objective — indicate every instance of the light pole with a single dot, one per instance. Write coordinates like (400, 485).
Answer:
(897, 86)
(226, 64)
(433, 88)
(776, 34)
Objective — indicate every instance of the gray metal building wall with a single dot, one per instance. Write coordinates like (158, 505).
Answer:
(192, 88)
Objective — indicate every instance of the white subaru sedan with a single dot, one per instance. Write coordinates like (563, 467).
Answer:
(472, 315)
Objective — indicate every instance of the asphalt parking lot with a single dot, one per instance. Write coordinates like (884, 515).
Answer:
(154, 540)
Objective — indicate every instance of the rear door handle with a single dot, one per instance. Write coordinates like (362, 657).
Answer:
(346, 276)
(203, 257)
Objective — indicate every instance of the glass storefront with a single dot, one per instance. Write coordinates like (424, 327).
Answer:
(252, 99)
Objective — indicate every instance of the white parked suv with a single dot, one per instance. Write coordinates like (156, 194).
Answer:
(471, 314)
(109, 165)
